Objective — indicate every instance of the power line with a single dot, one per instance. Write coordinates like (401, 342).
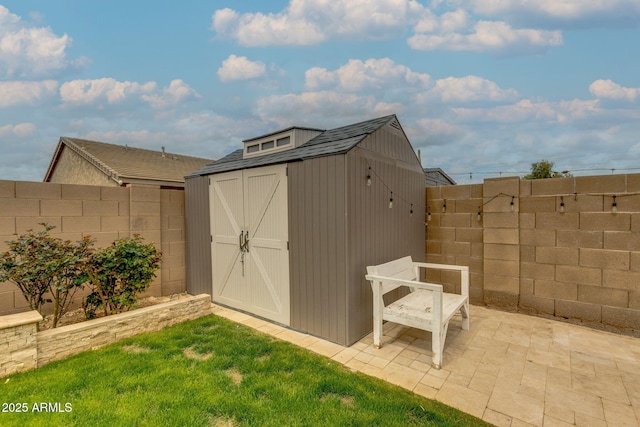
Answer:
(483, 173)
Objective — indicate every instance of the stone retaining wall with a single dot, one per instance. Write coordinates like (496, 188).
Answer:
(18, 346)
(22, 347)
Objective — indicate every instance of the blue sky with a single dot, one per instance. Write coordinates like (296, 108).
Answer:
(481, 87)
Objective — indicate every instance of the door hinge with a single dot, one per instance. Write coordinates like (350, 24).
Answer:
(286, 170)
(209, 181)
(211, 239)
(287, 245)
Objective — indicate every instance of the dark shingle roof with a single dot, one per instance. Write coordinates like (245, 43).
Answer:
(122, 162)
(328, 143)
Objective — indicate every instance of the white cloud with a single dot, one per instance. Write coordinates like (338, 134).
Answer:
(556, 10)
(610, 90)
(307, 22)
(503, 27)
(448, 22)
(177, 92)
(357, 75)
(240, 68)
(437, 131)
(467, 89)
(489, 36)
(20, 130)
(101, 90)
(526, 111)
(26, 93)
(27, 51)
(257, 29)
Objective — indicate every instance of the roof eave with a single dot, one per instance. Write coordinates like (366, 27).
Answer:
(112, 174)
(54, 161)
(143, 181)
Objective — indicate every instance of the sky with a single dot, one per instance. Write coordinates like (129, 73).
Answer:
(482, 88)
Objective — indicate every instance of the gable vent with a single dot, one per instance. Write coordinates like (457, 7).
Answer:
(394, 124)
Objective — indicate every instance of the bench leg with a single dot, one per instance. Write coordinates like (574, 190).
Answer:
(438, 336)
(377, 325)
(464, 310)
(378, 307)
(377, 334)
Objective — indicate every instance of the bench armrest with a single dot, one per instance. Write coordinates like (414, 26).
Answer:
(401, 282)
(441, 266)
(463, 269)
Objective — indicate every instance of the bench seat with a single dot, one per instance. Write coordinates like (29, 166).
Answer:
(418, 306)
(426, 307)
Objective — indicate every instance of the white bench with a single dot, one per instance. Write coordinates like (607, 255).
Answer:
(427, 307)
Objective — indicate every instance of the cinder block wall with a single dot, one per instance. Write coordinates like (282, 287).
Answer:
(104, 213)
(583, 263)
(455, 236)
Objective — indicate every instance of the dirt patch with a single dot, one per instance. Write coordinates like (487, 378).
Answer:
(344, 399)
(264, 357)
(190, 353)
(135, 348)
(77, 316)
(236, 377)
(219, 421)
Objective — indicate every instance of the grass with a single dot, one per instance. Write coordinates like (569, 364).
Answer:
(213, 372)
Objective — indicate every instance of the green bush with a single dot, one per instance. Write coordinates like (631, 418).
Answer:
(46, 267)
(118, 273)
(51, 270)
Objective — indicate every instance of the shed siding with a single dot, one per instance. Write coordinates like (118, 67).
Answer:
(338, 225)
(198, 235)
(377, 234)
(317, 233)
(390, 143)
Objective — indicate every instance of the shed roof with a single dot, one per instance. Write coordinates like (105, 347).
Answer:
(437, 177)
(328, 143)
(124, 163)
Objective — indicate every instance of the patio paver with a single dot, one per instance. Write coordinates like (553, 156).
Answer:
(509, 369)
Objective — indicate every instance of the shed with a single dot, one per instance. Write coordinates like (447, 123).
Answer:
(311, 208)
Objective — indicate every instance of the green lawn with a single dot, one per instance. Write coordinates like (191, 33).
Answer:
(211, 372)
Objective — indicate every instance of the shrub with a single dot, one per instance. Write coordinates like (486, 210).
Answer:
(45, 267)
(118, 273)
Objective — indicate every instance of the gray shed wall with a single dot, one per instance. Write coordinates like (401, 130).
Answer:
(338, 226)
(377, 234)
(317, 251)
(198, 235)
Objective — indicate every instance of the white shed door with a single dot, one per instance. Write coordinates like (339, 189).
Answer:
(252, 201)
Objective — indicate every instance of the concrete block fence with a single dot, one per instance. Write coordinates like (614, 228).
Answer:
(554, 247)
(104, 213)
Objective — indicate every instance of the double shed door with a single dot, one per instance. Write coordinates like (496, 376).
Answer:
(249, 228)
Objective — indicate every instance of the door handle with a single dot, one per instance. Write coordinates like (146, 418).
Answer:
(243, 241)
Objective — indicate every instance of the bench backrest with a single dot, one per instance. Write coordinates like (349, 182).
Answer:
(398, 269)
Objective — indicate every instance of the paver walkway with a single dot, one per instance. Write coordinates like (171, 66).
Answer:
(509, 369)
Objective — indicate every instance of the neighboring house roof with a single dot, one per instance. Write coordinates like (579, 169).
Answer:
(437, 177)
(126, 164)
(328, 143)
